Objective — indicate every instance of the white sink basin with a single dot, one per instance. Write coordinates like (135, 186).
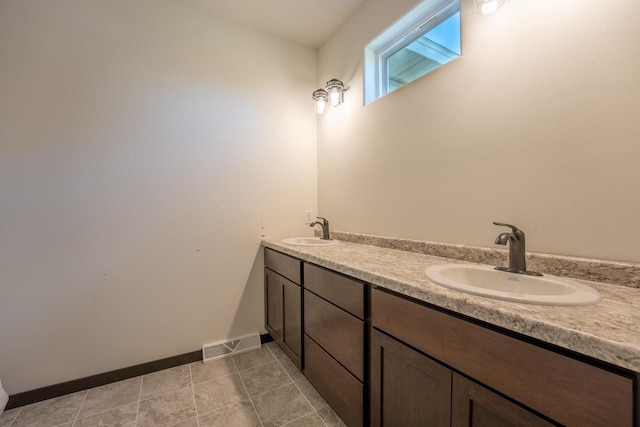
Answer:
(485, 281)
(309, 241)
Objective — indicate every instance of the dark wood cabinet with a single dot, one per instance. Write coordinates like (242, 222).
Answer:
(340, 389)
(272, 304)
(407, 388)
(513, 380)
(383, 359)
(411, 389)
(292, 321)
(335, 337)
(283, 303)
(476, 406)
(338, 332)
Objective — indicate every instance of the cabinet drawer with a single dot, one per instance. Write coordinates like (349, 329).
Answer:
(284, 265)
(555, 385)
(338, 332)
(339, 388)
(344, 292)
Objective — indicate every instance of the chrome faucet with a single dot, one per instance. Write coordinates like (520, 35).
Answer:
(325, 227)
(517, 254)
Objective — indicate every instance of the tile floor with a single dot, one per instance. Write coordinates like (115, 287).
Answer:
(261, 388)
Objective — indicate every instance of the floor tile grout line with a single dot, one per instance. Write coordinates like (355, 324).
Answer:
(84, 399)
(193, 393)
(285, 371)
(16, 417)
(313, 410)
(306, 398)
(216, 378)
(247, 391)
(275, 356)
(320, 416)
(180, 422)
(153, 396)
(163, 394)
(301, 392)
(108, 410)
(139, 399)
(276, 388)
(299, 418)
(222, 407)
(253, 367)
(271, 351)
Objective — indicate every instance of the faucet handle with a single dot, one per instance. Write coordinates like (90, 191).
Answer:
(502, 224)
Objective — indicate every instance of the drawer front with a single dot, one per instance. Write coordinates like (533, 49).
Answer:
(337, 386)
(346, 293)
(518, 369)
(338, 332)
(284, 265)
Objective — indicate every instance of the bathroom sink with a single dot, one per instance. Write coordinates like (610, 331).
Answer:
(486, 281)
(309, 241)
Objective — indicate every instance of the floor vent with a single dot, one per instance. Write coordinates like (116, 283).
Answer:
(224, 349)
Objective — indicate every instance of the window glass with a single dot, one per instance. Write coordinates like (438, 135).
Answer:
(427, 38)
(427, 52)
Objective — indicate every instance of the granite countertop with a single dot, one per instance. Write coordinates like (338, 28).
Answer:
(608, 331)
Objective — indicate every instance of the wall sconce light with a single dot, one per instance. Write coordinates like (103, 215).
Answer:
(485, 7)
(321, 97)
(335, 88)
(333, 92)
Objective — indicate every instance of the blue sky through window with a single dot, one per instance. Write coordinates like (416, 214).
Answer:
(447, 34)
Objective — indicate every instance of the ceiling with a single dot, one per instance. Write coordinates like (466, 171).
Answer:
(308, 22)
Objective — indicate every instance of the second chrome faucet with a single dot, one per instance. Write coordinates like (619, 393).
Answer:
(517, 253)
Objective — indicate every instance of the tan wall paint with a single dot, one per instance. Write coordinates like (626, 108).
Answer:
(142, 145)
(537, 124)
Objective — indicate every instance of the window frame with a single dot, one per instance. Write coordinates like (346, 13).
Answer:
(405, 31)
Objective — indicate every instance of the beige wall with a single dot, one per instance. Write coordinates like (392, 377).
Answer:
(143, 145)
(536, 124)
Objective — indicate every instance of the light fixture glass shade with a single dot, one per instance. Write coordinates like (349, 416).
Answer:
(320, 106)
(321, 97)
(485, 7)
(335, 88)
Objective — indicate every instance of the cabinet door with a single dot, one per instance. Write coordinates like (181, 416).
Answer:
(407, 387)
(272, 304)
(476, 406)
(292, 321)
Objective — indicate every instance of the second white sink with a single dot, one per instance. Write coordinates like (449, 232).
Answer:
(485, 281)
(309, 241)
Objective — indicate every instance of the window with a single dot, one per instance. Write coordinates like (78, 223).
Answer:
(423, 40)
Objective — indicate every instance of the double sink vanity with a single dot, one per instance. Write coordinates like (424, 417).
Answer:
(386, 345)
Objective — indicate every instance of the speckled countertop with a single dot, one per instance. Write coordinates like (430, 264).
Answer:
(608, 331)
